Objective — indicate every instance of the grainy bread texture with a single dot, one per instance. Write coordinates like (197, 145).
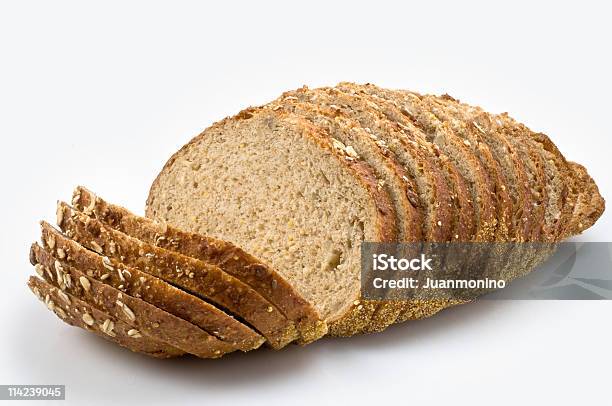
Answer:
(230, 258)
(147, 319)
(282, 190)
(197, 277)
(150, 289)
(78, 313)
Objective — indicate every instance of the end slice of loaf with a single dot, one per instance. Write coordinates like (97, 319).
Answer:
(230, 258)
(81, 314)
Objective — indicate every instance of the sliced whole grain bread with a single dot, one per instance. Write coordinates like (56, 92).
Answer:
(207, 281)
(81, 314)
(394, 144)
(445, 196)
(441, 134)
(464, 223)
(230, 258)
(481, 150)
(146, 318)
(150, 289)
(551, 200)
(346, 133)
(510, 162)
(278, 187)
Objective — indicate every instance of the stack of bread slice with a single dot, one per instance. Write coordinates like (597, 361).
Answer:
(161, 291)
(297, 185)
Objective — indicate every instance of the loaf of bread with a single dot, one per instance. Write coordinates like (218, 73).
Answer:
(300, 184)
(253, 230)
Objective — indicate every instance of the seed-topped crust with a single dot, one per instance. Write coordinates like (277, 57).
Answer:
(197, 277)
(144, 318)
(225, 255)
(152, 290)
(104, 325)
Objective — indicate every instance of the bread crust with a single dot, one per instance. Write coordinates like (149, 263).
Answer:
(230, 258)
(203, 280)
(73, 315)
(150, 289)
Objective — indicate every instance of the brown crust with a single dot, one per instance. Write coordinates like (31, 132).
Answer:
(146, 318)
(230, 258)
(73, 315)
(199, 278)
(152, 290)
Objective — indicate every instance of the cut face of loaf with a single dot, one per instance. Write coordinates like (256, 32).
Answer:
(281, 190)
(225, 255)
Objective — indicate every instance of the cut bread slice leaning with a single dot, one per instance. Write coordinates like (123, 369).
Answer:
(230, 258)
(279, 188)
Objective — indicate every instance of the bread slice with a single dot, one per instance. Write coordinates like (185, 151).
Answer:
(534, 164)
(230, 258)
(345, 131)
(150, 289)
(548, 204)
(420, 169)
(276, 186)
(199, 278)
(442, 135)
(473, 140)
(147, 319)
(443, 191)
(510, 162)
(78, 313)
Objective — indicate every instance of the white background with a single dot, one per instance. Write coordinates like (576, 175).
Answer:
(102, 94)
